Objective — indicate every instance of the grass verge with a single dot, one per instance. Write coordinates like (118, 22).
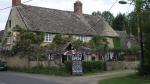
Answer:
(133, 79)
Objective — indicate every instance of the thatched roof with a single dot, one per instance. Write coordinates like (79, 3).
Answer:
(66, 22)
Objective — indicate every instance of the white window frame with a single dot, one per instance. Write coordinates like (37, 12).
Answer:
(48, 37)
(82, 38)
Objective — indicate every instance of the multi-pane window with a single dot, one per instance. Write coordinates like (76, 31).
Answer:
(48, 38)
(82, 38)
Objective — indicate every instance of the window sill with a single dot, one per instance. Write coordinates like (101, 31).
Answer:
(47, 41)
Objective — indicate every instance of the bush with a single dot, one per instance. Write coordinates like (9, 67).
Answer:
(68, 67)
(92, 66)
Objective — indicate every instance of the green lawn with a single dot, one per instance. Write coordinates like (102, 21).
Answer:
(126, 80)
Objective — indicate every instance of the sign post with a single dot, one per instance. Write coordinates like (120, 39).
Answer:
(77, 64)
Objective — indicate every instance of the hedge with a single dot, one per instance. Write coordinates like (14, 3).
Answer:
(43, 70)
(88, 66)
(92, 66)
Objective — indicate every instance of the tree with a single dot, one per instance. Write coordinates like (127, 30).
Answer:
(132, 22)
(77, 43)
(108, 17)
(145, 25)
(28, 40)
(98, 13)
(58, 39)
(97, 43)
(120, 22)
(27, 43)
(132, 17)
(142, 8)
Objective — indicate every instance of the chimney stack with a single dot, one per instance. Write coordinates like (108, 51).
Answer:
(78, 7)
(16, 2)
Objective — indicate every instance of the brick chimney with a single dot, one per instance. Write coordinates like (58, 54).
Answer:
(16, 2)
(78, 7)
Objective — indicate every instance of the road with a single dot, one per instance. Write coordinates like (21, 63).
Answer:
(24, 78)
(18, 78)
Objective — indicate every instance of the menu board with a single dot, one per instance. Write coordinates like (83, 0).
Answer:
(77, 64)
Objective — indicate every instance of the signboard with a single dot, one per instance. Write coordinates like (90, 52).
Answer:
(77, 64)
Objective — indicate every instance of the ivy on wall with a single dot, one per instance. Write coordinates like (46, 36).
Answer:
(117, 42)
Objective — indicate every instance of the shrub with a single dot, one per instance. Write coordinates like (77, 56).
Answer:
(146, 71)
(68, 67)
(92, 66)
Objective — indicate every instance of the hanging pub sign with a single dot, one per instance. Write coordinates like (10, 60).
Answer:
(77, 64)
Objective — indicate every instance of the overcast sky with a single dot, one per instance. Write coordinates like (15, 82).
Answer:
(88, 7)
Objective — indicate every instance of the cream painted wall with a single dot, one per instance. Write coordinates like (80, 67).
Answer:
(87, 39)
(15, 20)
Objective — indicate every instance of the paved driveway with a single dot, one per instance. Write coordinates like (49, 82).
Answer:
(23, 78)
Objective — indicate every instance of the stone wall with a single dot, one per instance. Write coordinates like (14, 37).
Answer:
(2, 58)
(43, 63)
(122, 65)
(17, 61)
(39, 63)
(21, 62)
